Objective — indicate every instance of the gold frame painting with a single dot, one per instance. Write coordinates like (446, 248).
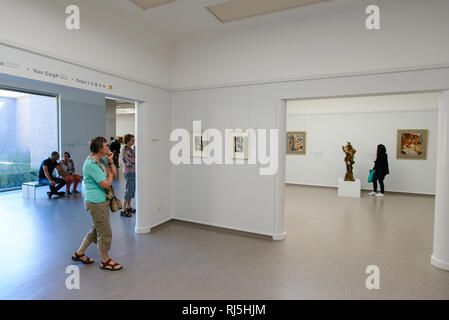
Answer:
(412, 144)
(298, 142)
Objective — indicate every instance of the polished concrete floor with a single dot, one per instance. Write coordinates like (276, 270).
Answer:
(330, 241)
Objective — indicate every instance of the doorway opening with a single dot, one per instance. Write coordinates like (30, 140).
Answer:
(120, 126)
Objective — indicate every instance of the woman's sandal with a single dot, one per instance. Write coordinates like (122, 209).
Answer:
(77, 257)
(132, 210)
(125, 213)
(110, 266)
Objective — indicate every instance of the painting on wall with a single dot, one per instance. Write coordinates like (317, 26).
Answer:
(196, 144)
(296, 142)
(239, 145)
(412, 144)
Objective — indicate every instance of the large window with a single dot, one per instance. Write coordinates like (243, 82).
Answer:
(28, 135)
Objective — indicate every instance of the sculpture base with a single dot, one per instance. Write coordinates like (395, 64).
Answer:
(349, 188)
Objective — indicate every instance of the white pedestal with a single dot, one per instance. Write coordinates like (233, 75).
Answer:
(349, 188)
(25, 192)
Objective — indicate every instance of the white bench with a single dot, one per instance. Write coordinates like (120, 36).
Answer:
(29, 189)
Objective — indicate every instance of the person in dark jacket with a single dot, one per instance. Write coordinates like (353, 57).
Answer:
(115, 149)
(380, 171)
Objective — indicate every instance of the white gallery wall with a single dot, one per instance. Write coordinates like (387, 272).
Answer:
(365, 122)
(110, 119)
(114, 36)
(328, 38)
(232, 196)
(125, 123)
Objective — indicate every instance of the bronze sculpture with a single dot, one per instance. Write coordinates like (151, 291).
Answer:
(349, 160)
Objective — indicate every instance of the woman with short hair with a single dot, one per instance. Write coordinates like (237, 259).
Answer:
(98, 176)
(129, 172)
(68, 173)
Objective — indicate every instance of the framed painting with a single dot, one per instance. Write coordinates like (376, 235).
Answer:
(239, 145)
(296, 142)
(412, 144)
(196, 144)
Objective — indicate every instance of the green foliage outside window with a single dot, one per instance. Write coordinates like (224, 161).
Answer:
(15, 169)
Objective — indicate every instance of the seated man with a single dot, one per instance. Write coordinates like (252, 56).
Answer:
(46, 175)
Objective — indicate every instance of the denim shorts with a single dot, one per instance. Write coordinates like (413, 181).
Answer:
(130, 185)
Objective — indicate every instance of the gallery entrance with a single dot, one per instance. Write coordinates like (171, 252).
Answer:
(121, 135)
(411, 126)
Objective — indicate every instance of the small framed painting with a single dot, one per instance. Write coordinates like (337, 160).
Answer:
(239, 145)
(196, 144)
(296, 142)
(412, 144)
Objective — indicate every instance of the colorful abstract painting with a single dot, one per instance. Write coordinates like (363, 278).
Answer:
(296, 142)
(412, 144)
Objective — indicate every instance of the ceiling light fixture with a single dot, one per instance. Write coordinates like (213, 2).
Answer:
(126, 111)
(239, 9)
(147, 4)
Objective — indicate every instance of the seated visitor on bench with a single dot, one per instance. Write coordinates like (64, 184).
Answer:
(68, 173)
(46, 175)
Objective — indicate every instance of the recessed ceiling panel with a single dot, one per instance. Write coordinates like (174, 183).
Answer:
(239, 9)
(146, 4)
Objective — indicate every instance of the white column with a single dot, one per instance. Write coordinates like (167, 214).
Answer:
(279, 216)
(143, 218)
(440, 256)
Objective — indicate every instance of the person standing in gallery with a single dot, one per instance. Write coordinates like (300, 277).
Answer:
(380, 171)
(129, 172)
(98, 176)
(115, 148)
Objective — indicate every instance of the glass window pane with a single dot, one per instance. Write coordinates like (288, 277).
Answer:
(28, 135)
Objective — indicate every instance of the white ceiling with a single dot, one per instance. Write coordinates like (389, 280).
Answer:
(184, 19)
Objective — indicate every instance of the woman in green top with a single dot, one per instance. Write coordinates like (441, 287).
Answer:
(98, 176)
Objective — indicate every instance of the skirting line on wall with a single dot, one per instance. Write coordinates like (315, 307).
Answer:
(365, 189)
(252, 232)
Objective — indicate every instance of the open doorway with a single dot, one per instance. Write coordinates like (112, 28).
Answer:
(350, 229)
(121, 134)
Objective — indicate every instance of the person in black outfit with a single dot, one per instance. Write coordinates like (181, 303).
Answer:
(115, 148)
(380, 170)
(46, 175)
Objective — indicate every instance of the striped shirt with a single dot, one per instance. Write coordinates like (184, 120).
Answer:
(129, 160)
